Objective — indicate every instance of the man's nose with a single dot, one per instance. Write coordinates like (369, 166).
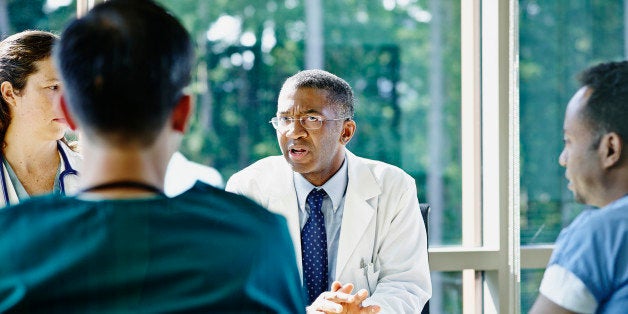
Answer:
(562, 158)
(296, 130)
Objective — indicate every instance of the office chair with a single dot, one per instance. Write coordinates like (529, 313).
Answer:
(425, 211)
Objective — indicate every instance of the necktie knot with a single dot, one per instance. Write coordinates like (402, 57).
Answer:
(315, 199)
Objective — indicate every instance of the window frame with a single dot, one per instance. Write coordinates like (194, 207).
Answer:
(490, 257)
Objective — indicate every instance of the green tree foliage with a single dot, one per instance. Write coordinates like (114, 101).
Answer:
(383, 52)
(558, 39)
(34, 14)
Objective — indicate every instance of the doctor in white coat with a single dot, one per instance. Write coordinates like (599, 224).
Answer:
(66, 181)
(376, 239)
(182, 174)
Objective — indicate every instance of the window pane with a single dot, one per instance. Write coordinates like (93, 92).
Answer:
(401, 58)
(558, 39)
(450, 299)
(530, 282)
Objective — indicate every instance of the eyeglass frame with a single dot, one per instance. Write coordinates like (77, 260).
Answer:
(274, 121)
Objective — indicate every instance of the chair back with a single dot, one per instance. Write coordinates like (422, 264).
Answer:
(425, 212)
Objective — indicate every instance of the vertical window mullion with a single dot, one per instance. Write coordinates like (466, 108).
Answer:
(471, 141)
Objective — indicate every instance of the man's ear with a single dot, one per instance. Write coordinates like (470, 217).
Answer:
(611, 147)
(181, 113)
(66, 113)
(8, 93)
(348, 129)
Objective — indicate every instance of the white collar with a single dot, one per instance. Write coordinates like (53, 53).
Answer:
(335, 187)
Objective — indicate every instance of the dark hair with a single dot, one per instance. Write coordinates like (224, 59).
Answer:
(18, 54)
(339, 92)
(124, 66)
(607, 107)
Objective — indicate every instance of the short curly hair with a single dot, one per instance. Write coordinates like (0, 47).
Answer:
(339, 92)
(607, 107)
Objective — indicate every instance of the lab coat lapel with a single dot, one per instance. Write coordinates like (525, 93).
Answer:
(358, 209)
(283, 200)
(71, 185)
(10, 190)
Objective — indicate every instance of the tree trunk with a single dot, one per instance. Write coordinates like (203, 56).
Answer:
(314, 43)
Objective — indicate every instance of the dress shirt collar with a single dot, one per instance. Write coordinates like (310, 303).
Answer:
(335, 187)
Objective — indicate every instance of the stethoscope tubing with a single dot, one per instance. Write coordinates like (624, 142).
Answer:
(68, 168)
(67, 171)
(4, 183)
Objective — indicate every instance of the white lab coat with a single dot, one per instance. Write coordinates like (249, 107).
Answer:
(70, 180)
(383, 243)
(182, 174)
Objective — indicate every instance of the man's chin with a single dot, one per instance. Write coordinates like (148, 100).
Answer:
(579, 198)
(296, 165)
(298, 168)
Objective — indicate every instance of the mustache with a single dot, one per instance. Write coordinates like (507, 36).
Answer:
(298, 144)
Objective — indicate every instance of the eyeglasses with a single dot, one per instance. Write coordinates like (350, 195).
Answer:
(308, 122)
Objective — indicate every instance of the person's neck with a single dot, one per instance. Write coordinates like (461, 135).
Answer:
(321, 177)
(613, 187)
(107, 164)
(30, 156)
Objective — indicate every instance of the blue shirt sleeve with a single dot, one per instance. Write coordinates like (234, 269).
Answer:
(595, 249)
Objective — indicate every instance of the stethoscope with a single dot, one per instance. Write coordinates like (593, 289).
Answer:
(67, 171)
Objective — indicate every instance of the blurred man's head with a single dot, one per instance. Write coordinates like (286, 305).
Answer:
(595, 130)
(124, 66)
